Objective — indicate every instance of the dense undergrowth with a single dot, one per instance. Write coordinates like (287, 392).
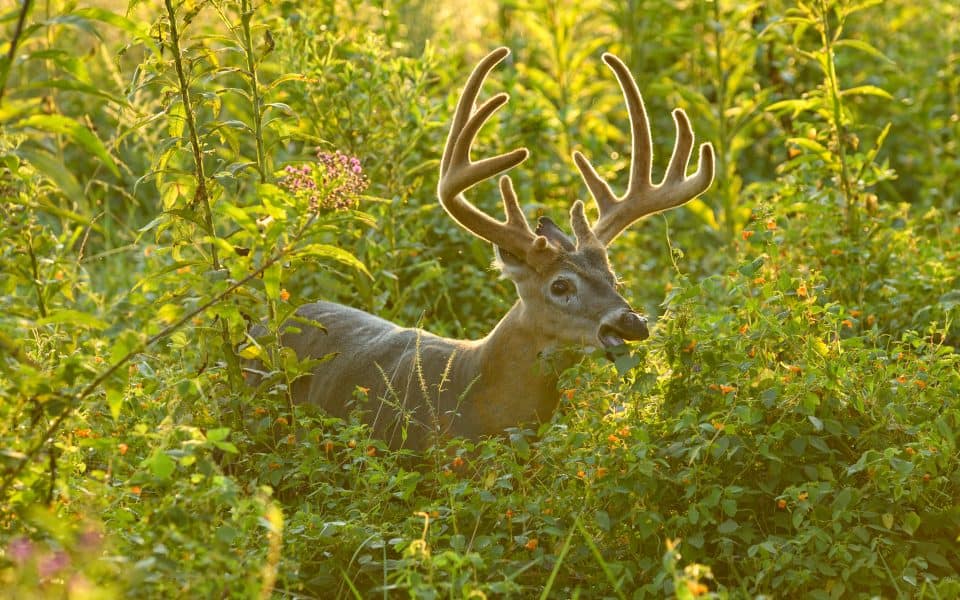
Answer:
(171, 173)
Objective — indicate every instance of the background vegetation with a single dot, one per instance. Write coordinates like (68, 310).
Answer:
(790, 430)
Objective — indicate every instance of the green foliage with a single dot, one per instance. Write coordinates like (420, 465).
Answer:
(172, 174)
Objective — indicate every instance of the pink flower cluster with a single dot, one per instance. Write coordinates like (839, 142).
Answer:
(335, 183)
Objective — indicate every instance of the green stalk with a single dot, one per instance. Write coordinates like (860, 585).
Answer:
(721, 141)
(853, 216)
(246, 9)
(202, 194)
(14, 42)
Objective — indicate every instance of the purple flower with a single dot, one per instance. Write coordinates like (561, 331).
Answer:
(334, 183)
(51, 564)
(20, 549)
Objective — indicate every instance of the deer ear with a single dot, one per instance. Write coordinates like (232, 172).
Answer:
(513, 267)
(548, 229)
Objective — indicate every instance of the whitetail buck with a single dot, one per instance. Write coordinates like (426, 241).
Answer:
(420, 386)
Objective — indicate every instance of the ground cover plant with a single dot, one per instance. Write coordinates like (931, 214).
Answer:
(171, 173)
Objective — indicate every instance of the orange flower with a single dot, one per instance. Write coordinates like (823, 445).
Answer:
(902, 379)
(726, 389)
(871, 319)
(274, 466)
(613, 439)
(803, 496)
(718, 425)
(746, 234)
(771, 224)
(581, 474)
(689, 347)
(744, 328)
(568, 394)
(855, 313)
(82, 433)
(910, 451)
(793, 152)
(920, 384)
(184, 269)
(759, 280)
(836, 251)
(328, 446)
(352, 444)
(371, 450)
(624, 431)
(847, 323)
(714, 387)
(601, 472)
(781, 504)
(58, 276)
(282, 421)
(926, 476)
(291, 439)
(794, 369)
(457, 462)
(532, 544)
(802, 291)
(696, 588)
(259, 411)
(123, 448)
(284, 294)
(509, 513)
(135, 490)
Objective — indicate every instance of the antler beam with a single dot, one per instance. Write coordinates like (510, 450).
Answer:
(643, 197)
(458, 173)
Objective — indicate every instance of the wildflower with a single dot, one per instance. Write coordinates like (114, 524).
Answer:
(771, 224)
(352, 444)
(926, 476)
(746, 234)
(902, 379)
(910, 451)
(601, 472)
(581, 474)
(82, 433)
(803, 496)
(696, 588)
(802, 291)
(781, 504)
(759, 280)
(291, 439)
(920, 383)
(457, 462)
(334, 183)
(847, 323)
(184, 269)
(371, 450)
(836, 251)
(719, 426)
(20, 549)
(284, 294)
(274, 466)
(568, 394)
(328, 446)
(532, 544)
(52, 564)
(123, 448)
(689, 347)
(613, 439)
(509, 513)
(744, 328)
(135, 490)
(259, 411)
(726, 389)
(871, 319)
(282, 421)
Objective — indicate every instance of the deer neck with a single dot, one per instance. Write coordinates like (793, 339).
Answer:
(518, 369)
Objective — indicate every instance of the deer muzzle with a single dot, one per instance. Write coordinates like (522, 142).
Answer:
(627, 325)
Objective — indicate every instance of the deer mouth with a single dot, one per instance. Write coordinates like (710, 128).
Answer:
(628, 326)
(609, 337)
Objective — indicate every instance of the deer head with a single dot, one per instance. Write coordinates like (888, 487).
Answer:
(566, 284)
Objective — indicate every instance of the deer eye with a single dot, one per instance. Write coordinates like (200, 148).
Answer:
(561, 287)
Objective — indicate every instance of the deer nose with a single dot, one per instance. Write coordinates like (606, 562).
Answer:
(632, 326)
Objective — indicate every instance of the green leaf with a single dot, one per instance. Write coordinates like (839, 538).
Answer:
(728, 526)
(218, 435)
(866, 90)
(74, 318)
(862, 47)
(911, 522)
(325, 251)
(114, 401)
(160, 464)
(61, 125)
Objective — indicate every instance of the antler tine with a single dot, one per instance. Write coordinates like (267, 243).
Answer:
(642, 197)
(459, 173)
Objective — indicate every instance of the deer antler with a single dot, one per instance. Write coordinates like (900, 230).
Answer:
(642, 197)
(458, 173)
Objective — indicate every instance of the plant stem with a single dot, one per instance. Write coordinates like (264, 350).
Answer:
(721, 141)
(853, 216)
(202, 195)
(14, 42)
(246, 9)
